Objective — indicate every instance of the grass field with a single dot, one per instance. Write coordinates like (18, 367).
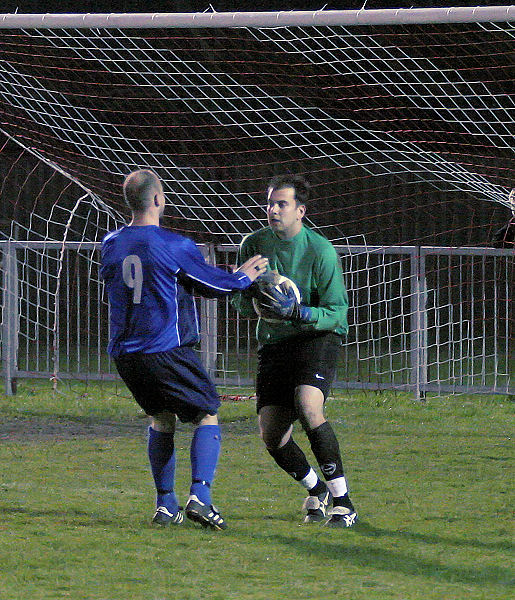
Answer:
(432, 483)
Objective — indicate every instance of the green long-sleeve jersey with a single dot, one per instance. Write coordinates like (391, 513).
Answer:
(310, 260)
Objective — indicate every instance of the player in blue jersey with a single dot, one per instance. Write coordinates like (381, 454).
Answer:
(150, 275)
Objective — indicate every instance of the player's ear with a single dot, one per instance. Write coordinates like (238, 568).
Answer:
(302, 210)
(156, 200)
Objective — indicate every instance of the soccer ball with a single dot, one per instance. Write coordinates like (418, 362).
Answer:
(282, 283)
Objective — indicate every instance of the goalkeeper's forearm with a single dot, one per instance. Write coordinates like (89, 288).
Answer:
(302, 314)
(297, 313)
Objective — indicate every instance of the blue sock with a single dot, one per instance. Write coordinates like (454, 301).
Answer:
(161, 454)
(204, 452)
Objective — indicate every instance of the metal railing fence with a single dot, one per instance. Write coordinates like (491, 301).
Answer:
(422, 319)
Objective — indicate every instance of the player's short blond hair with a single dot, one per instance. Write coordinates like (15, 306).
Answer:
(139, 189)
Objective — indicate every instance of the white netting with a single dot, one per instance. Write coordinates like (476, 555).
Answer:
(405, 133)
(417, 111)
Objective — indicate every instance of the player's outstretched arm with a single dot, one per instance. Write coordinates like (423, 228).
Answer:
(253, 267)
(210, 281)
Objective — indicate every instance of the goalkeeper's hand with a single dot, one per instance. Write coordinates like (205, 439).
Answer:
(284, 305)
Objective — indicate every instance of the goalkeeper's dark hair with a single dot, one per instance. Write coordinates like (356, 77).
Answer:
(297, 182)
(139, 189)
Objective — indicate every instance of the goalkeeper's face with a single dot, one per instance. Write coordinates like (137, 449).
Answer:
(284, 214)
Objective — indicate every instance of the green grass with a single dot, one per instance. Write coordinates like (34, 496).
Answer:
(432, 483)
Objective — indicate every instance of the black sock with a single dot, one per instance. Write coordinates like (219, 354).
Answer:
(326, 450)
(319, 488)
(291, 459)
(343, 501)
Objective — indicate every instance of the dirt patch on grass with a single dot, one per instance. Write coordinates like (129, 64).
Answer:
(63, 428)
(31, 428)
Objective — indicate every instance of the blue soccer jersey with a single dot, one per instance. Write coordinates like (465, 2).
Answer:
(150, 274)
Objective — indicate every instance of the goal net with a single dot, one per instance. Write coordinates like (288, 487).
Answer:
(404, 131)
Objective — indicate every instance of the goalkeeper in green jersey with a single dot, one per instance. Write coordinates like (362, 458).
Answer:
(299, 343)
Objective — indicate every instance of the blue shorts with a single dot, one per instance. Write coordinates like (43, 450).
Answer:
(173, 381)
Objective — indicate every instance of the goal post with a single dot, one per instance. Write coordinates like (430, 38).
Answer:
(262, 19)
(401, 120)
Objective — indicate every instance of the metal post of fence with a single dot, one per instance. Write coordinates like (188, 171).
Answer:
(418, 324)
(209, 321)
(9, 317)
(423, 338)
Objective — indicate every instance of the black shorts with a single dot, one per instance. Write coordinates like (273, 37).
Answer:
(173, 381)
(297, 361)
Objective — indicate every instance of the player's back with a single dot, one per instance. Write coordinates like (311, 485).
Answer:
(150, 310)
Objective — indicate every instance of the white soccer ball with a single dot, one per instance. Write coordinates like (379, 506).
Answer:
(280, 282)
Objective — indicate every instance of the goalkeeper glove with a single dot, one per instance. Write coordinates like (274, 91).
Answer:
(285, 306)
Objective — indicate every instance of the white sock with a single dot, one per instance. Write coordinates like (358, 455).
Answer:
(310, 480)
(337, 487)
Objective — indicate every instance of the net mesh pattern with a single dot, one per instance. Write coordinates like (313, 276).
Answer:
(405, 133)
